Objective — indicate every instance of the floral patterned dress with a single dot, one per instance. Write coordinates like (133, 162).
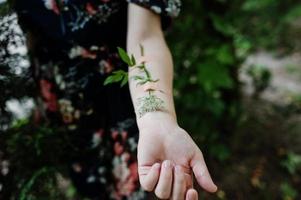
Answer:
(72, 46)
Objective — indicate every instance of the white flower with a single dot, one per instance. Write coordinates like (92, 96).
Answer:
(120, 171)
(102, 180)
(96, 140)
(101, 170)
(91, 179)
(156, 9)
(133, 143)
(5, 167)
(48, 4)
(75, 52)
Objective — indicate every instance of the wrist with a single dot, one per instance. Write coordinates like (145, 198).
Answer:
(156, 118)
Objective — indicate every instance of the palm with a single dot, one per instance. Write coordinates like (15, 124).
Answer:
(157, 145)
(162, 140)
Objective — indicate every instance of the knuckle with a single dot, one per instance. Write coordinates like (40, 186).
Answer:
(146, 186)
(181, 180)
(162, 194)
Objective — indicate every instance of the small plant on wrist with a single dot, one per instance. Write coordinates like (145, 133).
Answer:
(145, 104)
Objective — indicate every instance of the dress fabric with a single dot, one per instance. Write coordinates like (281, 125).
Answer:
(73, 48)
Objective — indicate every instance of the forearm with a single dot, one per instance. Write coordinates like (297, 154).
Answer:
(158, 61)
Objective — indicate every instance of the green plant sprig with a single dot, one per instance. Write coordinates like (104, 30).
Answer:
(145, 104)
(122, 76)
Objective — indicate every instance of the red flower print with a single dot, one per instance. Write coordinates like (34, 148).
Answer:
(90, 9)
(49, 97)
(37, 116)
(124, 135)
(134, 170)
(67, 118)
(108, 67)
(77, 167)
(125, 156)
(52, 5)
(118, 148)
(99, 132)
(87, 54)
(128, 186)
(114, 134)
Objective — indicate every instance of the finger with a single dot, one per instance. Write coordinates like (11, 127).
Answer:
(149, 177)
(163, 188)
(191, 195)
(188, 175)
(179, 184)
(188, 180)
(202, 174)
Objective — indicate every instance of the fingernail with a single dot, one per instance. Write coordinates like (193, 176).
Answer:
(157, 165)
(178, 169)
(190, 196)
(167, 164)
(216, 188)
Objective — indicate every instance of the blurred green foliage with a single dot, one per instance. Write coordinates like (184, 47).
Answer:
(210, 41)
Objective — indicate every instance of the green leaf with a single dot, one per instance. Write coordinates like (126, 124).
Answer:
(124, 81)
(124, 56)
(133, 61)
(154, 81)
(142, 82)
(113, 78)
(137, 77)
(119, 72)
(141, 50)
(147, 73)
(141, 66)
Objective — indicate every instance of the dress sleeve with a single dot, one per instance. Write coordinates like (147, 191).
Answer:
(167, 9)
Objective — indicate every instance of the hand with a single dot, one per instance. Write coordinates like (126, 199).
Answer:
(166, 155)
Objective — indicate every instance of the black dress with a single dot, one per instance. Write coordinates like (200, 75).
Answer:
(72, 46)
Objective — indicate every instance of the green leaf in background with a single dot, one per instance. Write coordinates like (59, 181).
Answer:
(242, 46)
(124, 56)
(225, 55)
(221, 25)
(257, 4)
(288, 192)
(220, 151)
(27, 187)
(293, 14)
(292, 162)
(213, 76)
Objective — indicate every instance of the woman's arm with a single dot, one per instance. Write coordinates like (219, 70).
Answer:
(144, 28)
(166, 153)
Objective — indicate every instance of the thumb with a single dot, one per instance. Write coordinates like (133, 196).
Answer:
(201, 173)
(149, 176)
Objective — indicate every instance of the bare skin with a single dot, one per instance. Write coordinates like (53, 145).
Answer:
(168, 158)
